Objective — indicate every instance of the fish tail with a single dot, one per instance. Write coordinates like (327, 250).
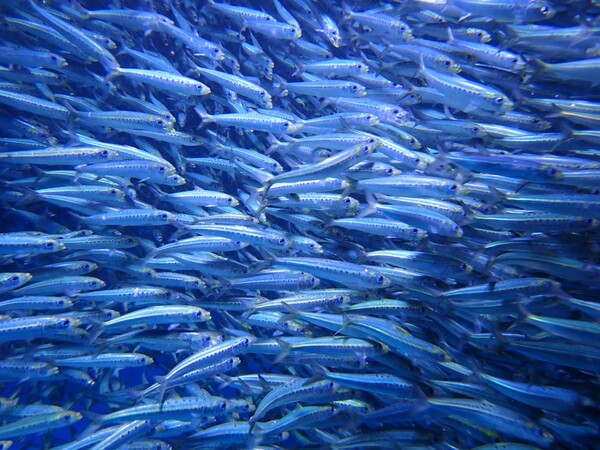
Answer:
(539, 67)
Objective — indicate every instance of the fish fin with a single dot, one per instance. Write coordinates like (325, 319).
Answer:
(250, 308)
(29, 196)
(347, 321)
(95, 418)
(372, 209)
(451, 39)
(539, 67)
(286, 349)
(203, 114)
(299, 67)
(470, 108)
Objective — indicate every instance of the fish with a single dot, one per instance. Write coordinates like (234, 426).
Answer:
(299, 224)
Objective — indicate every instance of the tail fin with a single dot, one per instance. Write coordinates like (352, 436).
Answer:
(204, 116)
(539, 67)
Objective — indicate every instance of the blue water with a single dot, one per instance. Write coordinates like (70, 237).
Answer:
(462, 143)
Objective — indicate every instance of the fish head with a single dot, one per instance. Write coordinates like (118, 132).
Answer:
(498, 102)
(479, 35)
(69, 417)
(165, 216)
(447, 65)
(63, 323)
(349, 204)
(297, 32)
(201, 316)
(162, 169)
(164, 21)
(50, 246)
(540, 10)
(265, 99)
(267, 71)
(160, 123)
(290, 127)
(357, 90)
(144, 360)
(174, 180)
(102, 154)
(362, 68)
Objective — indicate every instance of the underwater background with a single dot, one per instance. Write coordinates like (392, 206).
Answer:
(299, 224)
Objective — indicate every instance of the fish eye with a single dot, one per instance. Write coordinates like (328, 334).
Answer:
(312, 281)
(463, 266)
(396, 111)
(347, 200)
(282, 241)
(412, 141)
(287, 124)
(380, 279)
(330, 385)
(193, 139)
(499, 100)
(53, 58)
(164, 216)
(199, 315)
(447, 63)
(354, 87)
(479, 34)
(15, 278)
(475, 130)
(67, 417)
(285, 324)
(104, 153)
(49, 245)
(216, 50)
(161, 168)
(402, 28)
(544, 10)
(64, 323)
(160, 122)
(389, 171)
(246, 342)
(222, 406)
(262, 94)
(415, 230)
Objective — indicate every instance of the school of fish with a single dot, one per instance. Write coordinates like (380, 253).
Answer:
(299, 223)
